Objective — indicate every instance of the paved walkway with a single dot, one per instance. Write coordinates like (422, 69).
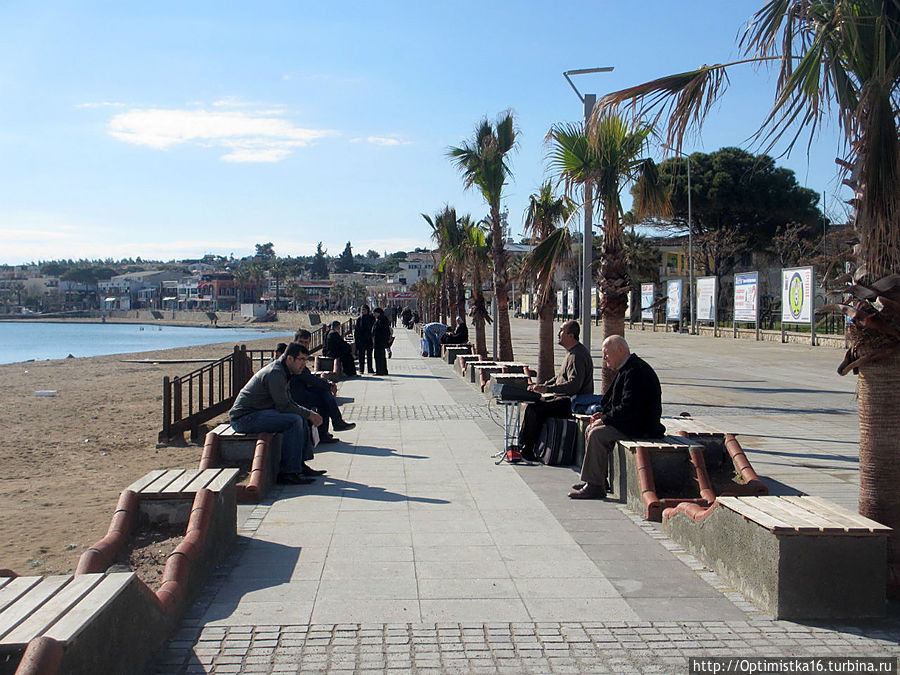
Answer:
(417, 552)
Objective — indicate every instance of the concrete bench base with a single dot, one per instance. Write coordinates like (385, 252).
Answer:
(793, 557)
(226, 447)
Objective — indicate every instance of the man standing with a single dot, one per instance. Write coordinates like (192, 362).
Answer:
(336, 347)
(312, 391)
(362, 336)
(265, 405)
(575, 377)
(630, 408)
(381, 338)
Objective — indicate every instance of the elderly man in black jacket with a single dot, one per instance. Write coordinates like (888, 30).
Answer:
(336, 347)
(630, 408)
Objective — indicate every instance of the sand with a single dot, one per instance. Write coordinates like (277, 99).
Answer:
(65, 459)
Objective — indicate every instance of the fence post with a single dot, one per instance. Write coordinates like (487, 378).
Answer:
(167, 410)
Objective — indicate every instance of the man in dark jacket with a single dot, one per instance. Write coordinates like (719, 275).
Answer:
(336, 347)
(459, 335)
(631, 408)
(312, 391)
(362, 337)
(381, 337)
(576, 376)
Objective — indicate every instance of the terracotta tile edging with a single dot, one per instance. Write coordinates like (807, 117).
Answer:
(101, 555)
(752, 484)
(256, 485)
(179, 561)
(43, 656)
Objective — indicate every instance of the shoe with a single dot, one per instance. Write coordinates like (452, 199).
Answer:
(328, 439)
(309, 471)
(577, 486)
(527, 454)
(293, 479)
(343, 426)
(588, 492)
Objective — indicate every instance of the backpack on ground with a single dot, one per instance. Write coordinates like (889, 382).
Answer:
(556, 443)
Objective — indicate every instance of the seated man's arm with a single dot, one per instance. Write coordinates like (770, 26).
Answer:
(276, 383)
(572, 380)
(626, 414)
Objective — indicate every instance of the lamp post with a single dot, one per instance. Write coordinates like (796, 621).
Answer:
(690, 235)
(588, 100)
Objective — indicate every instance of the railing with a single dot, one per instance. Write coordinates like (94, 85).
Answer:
(207, 392)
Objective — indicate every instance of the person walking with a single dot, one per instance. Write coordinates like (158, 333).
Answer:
(362, 337)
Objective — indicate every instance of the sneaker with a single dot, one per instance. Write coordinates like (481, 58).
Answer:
(343, 426)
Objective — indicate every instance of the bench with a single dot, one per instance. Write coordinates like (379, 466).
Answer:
(517, 380)
(327, 367)
(471, 373)
(262, 452)
(463, 360)
(450, 352)
(793, 557)
(96, 623)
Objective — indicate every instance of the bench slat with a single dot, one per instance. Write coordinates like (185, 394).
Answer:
(5, 580)
(69, 626)
(764, 519)
(219, 482)
(221, 429)
(145, 480)
(201, 481)
(29, 603)
(15, 589)
(801, 519)
(179, 483)
(51, 611)
(161, 483)
(852, 520)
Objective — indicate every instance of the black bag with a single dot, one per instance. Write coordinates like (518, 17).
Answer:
(556, 444)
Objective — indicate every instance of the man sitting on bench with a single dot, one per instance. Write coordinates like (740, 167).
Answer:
(630, 408)
(336, 347)
(575, 377)
(312, 391)
(265, 405)
(458, 336)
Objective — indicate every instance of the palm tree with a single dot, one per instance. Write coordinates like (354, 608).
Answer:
(482, 163)
(447, 234)
(842, 56)
(476, 247)
(609, 156)
(546, 213)
(642, 259)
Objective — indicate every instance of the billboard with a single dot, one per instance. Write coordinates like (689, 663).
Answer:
(746, 296)
(560, 308)
(593, 301)
(524, 308)
(706, 299)
(571, 297)
(646, 301)
(797, 295)
(673, 306)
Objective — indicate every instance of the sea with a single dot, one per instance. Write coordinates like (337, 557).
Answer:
(26, 341)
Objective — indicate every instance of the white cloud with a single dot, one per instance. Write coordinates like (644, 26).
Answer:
(386, 141)
(100, 104)
(258, 136)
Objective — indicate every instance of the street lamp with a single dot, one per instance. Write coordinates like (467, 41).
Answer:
(588, 100)
(690, 235)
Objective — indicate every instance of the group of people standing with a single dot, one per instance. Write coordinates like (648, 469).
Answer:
(373, 337)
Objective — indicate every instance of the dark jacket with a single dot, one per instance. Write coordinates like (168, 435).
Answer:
(458, 336)
(335, 346)
(633, 404)
(267, 389)
(381, 331)
(362, 331)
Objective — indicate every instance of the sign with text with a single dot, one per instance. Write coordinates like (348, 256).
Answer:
(646, 301)
(797, 295)
(571, 295)
(746, 296)
(560, 308)
(673, 306)
(593, 301)
(525, 307)
(706, 299)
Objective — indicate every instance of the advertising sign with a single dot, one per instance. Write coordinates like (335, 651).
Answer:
(571, 295)
(593, 301)
(673, 306)
(746, 295)
(706, 299)
(797, 295)
(524, 307)
(646, 301)
(560, 308)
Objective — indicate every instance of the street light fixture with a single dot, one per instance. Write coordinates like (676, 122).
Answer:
(690, 234)
(588, 100)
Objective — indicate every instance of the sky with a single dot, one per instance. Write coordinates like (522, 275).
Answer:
(171, 130)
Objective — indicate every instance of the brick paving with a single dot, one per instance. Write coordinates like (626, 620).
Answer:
(796, 422)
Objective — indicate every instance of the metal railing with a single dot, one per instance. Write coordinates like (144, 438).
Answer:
(209, 391)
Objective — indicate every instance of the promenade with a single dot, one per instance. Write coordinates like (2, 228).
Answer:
(417, 552)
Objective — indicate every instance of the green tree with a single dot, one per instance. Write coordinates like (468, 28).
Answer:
(841, 57)
(265, 251)
(483, 164)
(476, 248)
(448, 235)
(345, 262)
(545, 221)
(609, 157)
(319, 267)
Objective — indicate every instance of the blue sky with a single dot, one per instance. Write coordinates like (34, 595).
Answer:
(174, 129)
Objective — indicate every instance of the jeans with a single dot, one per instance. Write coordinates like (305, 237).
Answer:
(295, 445)
(433, 334)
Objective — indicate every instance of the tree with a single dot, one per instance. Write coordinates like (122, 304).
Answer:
(265, 251)
(448, 235)
(545, 221)
(840, 56)
(736, 191)
(476, 247)
(319, 267)
(372, 254)
(608, 157)
(482, 163)
(345, 262)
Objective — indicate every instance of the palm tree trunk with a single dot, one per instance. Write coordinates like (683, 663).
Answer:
(546, 365)
(460, 296)
(501, 289)
(613, 283)
(478, 312)
(879, 454)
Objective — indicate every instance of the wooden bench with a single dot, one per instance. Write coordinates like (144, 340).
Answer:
(98, 619)
(262, 452)
(793, 557)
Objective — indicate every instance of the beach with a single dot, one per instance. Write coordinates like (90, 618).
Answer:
(66, 458)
